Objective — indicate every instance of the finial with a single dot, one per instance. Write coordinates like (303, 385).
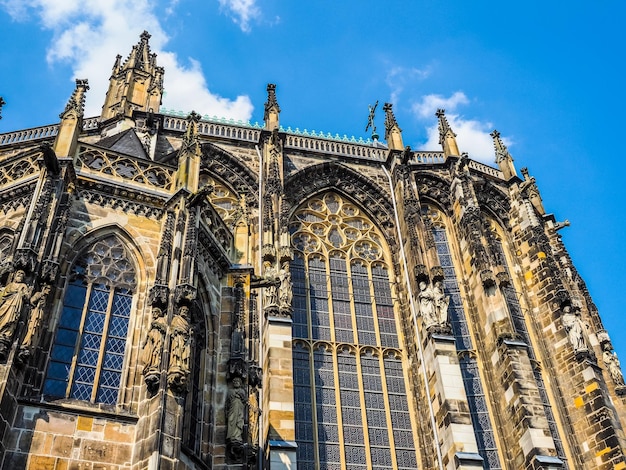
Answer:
(76, 103)
(503, 157)
(370, 121)
(390, 118)
(2, 103)
(272, 109)
(190, 139)
(447, 138)
(393, 133)
(501, 150)
(145, 36)
(444, 126)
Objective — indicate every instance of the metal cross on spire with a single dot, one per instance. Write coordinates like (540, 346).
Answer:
(370, 120)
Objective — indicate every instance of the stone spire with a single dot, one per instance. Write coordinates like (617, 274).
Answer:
(136, 84)
(272, 110)
(189, 156)
(393, 133)
(447, 138)
(71, 121)
(2, 103)
(503, 157)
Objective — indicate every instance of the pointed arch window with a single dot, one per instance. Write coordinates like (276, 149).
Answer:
(350, 373)
(90, 341)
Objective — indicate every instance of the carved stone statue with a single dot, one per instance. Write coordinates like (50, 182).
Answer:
(613, 366)
(575, 329)
(285, 289)
(270, 293)
(11, 303)
(180, 350)
(38, 303)
(427, 309)
(235, 407)
(442, 302)
(153, 348)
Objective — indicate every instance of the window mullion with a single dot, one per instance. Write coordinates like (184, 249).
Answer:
(79, 340)
(105, 331)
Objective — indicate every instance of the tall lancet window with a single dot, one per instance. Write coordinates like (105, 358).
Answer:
(350, 371)
(476, 398)
(90, 341)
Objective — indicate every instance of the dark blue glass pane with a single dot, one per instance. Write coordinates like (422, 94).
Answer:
(66, 337)
(57, 370)
(75, 296)
(70, 318)
(55, 388)
(62, 353)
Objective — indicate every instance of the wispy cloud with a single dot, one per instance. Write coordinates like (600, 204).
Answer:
(241, 11)
(399, 77)
(89, 36)
(472, 134)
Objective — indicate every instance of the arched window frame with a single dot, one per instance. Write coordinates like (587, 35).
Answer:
(87, 316)
(389, 431)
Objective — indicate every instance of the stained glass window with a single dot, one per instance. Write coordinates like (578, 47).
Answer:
(90, 342)
(476, 398)
(346, 347)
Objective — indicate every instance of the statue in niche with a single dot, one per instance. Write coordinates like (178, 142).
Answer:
(235, 407)
(285, 289)
(38, 303)
(442, 302)
(180, 350)
(613, 366)
(270, 294)
(11, 304)
(153, 348)
(575, 329)
(427, 309)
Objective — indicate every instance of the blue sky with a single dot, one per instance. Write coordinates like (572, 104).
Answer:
(547, 75)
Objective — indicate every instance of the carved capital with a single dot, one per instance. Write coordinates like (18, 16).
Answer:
(421, 273)
(436, 273)
(49, 271)
(158, 295)
(185, 293)
(269, 252)
(487, 278)
(26, 259)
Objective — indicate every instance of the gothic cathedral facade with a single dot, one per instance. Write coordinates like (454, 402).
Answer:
(185, 292)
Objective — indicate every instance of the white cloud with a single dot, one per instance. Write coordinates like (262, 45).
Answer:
(242, 12)
(472, 135)
(89, 38)
(431, 103)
